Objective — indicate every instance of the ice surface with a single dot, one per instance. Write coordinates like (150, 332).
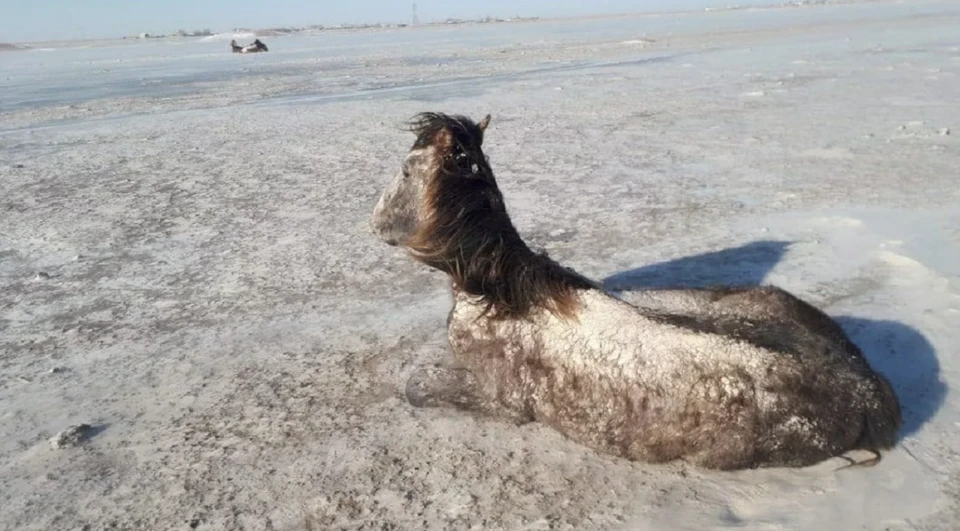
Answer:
(184, 235)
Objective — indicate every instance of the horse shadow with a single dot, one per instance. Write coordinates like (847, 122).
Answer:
(896, 350)
(746, 265)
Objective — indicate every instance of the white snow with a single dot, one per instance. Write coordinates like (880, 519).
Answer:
(185, 262)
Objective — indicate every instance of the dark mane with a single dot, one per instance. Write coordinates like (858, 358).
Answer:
(467, 135)
(468, 234)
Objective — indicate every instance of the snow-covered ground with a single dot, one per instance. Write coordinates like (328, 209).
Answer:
(185, 262)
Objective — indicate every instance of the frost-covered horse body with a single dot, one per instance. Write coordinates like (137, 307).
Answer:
(255, 47)
(726, 378)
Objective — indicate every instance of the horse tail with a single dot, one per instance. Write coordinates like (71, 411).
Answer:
(881, 422)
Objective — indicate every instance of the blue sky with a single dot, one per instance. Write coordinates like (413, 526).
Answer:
(27, 20)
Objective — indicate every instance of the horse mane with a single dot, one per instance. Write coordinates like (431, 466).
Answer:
(467, 233)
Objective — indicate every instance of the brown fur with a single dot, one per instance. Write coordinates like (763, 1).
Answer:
(769, 317)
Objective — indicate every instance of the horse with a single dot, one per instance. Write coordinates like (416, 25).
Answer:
(255, 47)
(725, 378)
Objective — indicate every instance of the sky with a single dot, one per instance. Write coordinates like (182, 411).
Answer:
(35, 20)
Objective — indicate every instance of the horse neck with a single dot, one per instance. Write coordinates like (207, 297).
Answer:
(507, 275)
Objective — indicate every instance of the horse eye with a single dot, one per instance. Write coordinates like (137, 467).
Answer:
(406, 173)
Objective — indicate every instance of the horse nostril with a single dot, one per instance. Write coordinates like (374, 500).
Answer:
(382, 233)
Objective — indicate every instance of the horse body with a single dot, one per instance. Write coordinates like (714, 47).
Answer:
(726, 378)
(655, 386)
(255, 47)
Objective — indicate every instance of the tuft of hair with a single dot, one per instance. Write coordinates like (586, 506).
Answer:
(468, 234)
(457, 133)
(881, 423)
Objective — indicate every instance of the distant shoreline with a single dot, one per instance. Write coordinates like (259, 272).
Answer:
(10, 47)
(273, 32)
(320, 28)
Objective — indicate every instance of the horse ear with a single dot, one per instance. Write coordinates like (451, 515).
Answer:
(484, 123)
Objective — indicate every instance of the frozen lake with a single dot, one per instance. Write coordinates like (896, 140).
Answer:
(186, 263)
(78, 73)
